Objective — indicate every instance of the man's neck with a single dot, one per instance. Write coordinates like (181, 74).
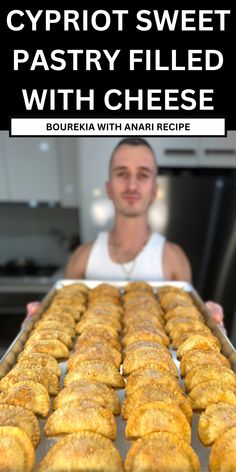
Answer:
(128, 237)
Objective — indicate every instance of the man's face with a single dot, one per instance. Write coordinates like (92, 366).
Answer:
(132, 183)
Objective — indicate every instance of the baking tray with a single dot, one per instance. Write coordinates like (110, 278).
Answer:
(122, 444)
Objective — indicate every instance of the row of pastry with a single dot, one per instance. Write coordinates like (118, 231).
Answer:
(157, 412)
(84, 408)
(26, 389)
(209, 381)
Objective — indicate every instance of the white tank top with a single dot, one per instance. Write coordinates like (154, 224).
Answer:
(148, 265)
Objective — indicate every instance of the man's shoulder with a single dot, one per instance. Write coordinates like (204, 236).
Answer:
(176, 263)
(77, 262)
(174, 250)
(84, 249)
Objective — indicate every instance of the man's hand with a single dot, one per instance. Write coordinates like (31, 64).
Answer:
(217, 313)
(31, 309)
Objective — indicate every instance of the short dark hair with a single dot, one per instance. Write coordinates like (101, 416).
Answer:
(131, 142)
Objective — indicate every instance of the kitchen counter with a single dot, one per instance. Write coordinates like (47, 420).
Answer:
(16, 284)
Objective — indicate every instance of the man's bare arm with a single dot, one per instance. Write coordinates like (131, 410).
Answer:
(76, 266)
(176, 264)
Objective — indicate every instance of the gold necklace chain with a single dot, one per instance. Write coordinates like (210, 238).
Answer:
(128, 272)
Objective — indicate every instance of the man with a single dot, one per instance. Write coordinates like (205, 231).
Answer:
(130, 250)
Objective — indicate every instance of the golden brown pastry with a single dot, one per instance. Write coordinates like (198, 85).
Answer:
(138, 286)
(194, 358)
(223, 452)
(209, 372)
(57, 325)
(179, 339)
(215, 420)
(158, 416)
(177, 326)
(80, 389)
(29, 394)
(72, 418)
(184, 312)
(107, 289)
(96, 322)
(12, 378)
(150, 376)
(213, 391)
(145, 394)
(75, 311)
(197, 341)
(80, 452)
(162, 451)
(57, 316)
(142, 356)
(77, 287)
(145, 335)
(100, 371)
(22, 418)
(102, 312)
(99, 350)
(171, 300)
(50, 334)
(106, 319)
(146, 345)
(24, 371)
(136, 320)
(106, 308)
(16, 450)
(72, 298)
(97, 334)
(41, 359)
(53, 347)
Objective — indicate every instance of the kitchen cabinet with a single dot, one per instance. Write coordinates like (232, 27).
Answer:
(196, 152)
(37, 170)
(176, 152)
(218, 152)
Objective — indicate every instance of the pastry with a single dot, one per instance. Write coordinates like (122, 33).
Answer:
(100, 371)
(215, 420)
(223, 452)
(209, 372)
(158, 416)
(50, 334)
(16, 450)
(80, 389)
(145, 394)
(41, 359)
(142, 356)
(162, 451)
(203, 343)
(213, 391)
(150, 376)
(72, 418)
(29, 394)
(80, 452)
(197, 357)
(99, 350)
(53, 347)
(22, 418)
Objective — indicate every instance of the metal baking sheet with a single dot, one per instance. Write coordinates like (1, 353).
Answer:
(122, 444)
